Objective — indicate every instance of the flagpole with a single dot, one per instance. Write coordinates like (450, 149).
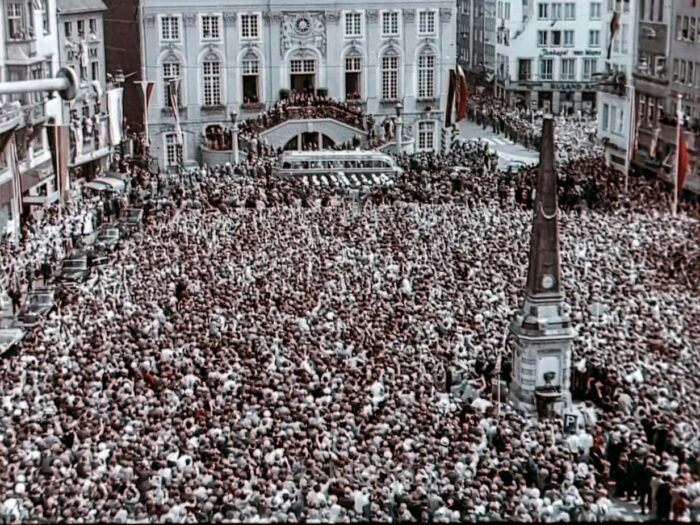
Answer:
(633, 136)
(679, 116)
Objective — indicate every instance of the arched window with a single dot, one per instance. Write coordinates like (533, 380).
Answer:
(251, 78)
(171, 71)
(211, 71)
(353, 75)
(390, 75)
(426, 73)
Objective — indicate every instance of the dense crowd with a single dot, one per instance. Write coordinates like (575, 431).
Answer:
(276, 352)
(575, 132)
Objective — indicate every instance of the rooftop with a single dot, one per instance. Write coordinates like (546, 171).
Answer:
(66, 7)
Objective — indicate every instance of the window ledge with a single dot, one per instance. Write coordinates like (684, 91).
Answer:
(168, 110)
(389, 101)
(253, 105)
(213, 109)
(427, 99)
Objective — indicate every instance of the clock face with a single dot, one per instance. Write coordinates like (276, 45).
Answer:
(303, 25)
(548, 281)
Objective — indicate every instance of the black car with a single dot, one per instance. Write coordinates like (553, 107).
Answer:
(107, 239)
(132, 221)
(74, 269)
(38, 305)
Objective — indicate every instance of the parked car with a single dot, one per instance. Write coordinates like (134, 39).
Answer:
(132, 221)
(107, 238)
(74, 268)
(10, 337)
(38, 305)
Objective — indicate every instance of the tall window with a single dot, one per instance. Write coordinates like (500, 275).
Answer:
(556, 12)
(546, 69)
(624, 37)
(524, 69)
(250, 26)
(45, 16)
(569, 38)
(390, 23)
(594, 38)
(569, 11)
(170, 28)
(426, 74)
(595, 11)
(426, 135)
(426, 22)
(606, 116)
(68, 29)
(353, 77)
(95, 70)
(92, 27)
(542, 38)
(353, 24)
(81, 28)
(211, 71)
(556, 38)
(543, 11)
(589, 67)
(211, 29)
(251, 76)
(171, 146)
(171, 71)
(568, 68)
(15, 23)
(390, 76)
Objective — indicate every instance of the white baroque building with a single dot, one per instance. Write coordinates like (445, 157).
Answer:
(547, 53)
(236, 56)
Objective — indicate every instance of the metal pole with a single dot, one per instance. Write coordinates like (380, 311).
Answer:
(679, 116)
(66, 84)
(234, 142)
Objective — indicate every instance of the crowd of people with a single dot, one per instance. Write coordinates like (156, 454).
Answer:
(575, 132)
(274, 352)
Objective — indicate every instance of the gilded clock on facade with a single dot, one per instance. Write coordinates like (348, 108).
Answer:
(303, 25)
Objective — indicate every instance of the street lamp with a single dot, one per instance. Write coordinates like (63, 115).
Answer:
(119, 77)
(399, 128)
(234, 136)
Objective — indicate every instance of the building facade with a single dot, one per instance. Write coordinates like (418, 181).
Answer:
(616, 97)
(235, 57)
(483, 44)
(82, 48)
(122, 33)
(547, 54)
(667, 64)
(465, 28)
(28, 50)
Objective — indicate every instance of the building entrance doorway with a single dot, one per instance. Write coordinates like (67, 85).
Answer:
(303, 76)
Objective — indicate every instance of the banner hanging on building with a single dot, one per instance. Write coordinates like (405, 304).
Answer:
(463, 93)
(115, 110)
(59, 145)
(17, 206)
(450, 98)
(145, 91)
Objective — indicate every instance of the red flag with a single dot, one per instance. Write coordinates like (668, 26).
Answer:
(682, 168)
(450, 99)
(614, 28)
(463, 94)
